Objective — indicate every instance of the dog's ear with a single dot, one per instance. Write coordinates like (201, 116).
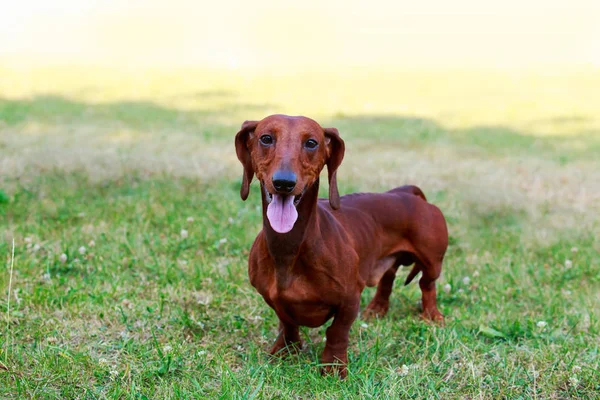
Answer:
(243, 154)
(335, 155)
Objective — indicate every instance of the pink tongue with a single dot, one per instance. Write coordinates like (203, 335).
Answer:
(281, 213)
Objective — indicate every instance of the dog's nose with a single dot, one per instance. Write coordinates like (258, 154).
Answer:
(284, 181)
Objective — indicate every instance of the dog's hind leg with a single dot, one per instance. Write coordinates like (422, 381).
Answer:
(430, 273)
(380, 304)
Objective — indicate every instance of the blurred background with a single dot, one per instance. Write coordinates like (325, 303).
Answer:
(148, 66)
(311, 34)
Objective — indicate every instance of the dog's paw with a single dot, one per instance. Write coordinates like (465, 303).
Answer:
(374, 311)
(339, 370)
(281, 349)
(433, 316)
(334, 364)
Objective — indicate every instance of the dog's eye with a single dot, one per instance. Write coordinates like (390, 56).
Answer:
(311, 144)
(266, 139)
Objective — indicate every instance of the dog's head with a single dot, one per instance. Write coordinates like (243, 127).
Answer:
(287, 155)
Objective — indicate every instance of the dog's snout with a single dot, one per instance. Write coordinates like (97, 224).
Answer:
(284, 181)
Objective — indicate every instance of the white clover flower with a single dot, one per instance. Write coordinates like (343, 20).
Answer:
(114, 373)
(184, 233)
(82, 250)
(476, 274)
(203, 298)
(585, 322)
(574, 249)
(167, 349)
(28, 240)
(576, 369)
(190, 219)
(230, 220)
(460, 290)
(403, 370)
(222, 240)
(36, 247)
(91, 243)
(466, 280)
(541, 324)
(568, 264)
(201, 352)
(447, 288)
(63, 258)
(102, 361)
(363, 325)
(46, 276)
(573, 381)
(16, 294)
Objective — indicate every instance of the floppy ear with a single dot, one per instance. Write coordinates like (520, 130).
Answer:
(243, 154)
(335, 155)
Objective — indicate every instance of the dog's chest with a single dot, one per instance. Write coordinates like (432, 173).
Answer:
(299, 303)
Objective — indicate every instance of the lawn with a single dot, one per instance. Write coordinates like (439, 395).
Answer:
(129, 278)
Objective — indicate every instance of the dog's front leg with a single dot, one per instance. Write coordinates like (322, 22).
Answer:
(288, 339)
(335, 355)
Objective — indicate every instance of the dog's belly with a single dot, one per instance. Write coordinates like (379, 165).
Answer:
(380, 267)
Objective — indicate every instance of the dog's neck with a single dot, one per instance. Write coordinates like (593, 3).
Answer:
(285, 247)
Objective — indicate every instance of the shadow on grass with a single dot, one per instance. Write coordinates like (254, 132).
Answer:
(413, 132)
(370, 130)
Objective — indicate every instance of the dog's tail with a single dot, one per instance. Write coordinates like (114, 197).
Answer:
(413, 272)
(412, 189)
(417, 191)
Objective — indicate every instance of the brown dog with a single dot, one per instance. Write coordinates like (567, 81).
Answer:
(312, 259)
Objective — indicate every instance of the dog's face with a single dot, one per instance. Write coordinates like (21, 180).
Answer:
(287, 154)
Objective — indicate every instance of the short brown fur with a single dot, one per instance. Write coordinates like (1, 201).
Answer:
(318, 270)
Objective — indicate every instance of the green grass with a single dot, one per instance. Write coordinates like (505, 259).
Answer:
(126, 160)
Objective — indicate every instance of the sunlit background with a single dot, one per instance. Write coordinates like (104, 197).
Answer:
(301, 34)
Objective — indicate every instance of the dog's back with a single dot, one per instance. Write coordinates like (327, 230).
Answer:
(400, 219)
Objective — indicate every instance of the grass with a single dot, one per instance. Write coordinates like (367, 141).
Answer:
(121, 163)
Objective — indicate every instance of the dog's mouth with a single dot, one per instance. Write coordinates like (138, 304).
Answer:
(281, 210)
(297, 198)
